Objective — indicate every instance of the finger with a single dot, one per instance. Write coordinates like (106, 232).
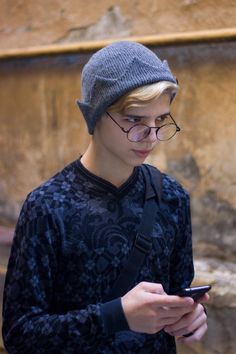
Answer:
(166, 321)
(180, 327)
(203, 299)
(175, 313)
(154, 288)
(172, 301)
(196, 336)
(188, 324)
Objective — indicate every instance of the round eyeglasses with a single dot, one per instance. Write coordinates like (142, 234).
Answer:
(138, 132)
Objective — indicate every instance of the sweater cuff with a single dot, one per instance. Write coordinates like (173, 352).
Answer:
(113, 317)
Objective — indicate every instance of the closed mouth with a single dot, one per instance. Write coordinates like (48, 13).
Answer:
(142, 151)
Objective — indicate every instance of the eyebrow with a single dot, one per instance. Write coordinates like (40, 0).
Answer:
(143, 117)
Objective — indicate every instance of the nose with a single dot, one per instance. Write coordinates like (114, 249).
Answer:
(152, 136)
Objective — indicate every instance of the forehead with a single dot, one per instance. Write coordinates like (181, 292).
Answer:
(153, 108)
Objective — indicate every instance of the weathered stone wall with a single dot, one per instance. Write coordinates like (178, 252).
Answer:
(28, 22)
(41, 129)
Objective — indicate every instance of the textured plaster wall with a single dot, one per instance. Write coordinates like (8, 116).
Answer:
(28, 22)
(41, 128)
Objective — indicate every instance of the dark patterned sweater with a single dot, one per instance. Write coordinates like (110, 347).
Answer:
(73, 235)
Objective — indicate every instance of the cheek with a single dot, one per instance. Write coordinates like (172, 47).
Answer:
(118, 143)
(113, 135)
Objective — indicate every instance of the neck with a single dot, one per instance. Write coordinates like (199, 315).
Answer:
(103, 166)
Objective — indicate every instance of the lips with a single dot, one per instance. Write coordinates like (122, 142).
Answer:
(142, 153)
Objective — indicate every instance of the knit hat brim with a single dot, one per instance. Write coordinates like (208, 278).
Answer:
(105, 89)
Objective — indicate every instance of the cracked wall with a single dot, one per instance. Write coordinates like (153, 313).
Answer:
(31, 23)
(42, 128)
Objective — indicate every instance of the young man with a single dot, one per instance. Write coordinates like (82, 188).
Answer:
(76, 232)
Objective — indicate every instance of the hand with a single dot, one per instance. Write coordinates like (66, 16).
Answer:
(193, 323)
(148, 309)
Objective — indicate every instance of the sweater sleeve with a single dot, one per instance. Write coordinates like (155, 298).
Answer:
(28, 319)
(181, 265)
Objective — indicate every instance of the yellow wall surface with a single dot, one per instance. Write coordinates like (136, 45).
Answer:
(42, 129)
(26, 23)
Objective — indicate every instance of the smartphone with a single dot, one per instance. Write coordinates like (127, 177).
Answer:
(195, 292)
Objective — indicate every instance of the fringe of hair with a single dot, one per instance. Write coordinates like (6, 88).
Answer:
(143, 95)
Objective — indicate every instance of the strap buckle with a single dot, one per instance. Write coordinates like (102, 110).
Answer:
(143, 243)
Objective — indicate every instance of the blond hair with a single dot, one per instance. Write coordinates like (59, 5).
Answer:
(143, 95)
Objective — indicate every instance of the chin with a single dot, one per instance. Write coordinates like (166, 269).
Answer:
(137, 163)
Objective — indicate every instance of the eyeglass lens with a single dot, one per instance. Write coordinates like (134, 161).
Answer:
(139, 132)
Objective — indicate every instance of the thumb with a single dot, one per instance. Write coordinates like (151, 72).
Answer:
(155, 288)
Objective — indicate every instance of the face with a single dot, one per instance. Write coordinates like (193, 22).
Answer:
(113, 144)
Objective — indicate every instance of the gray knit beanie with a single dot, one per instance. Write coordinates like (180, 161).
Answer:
(115, 70)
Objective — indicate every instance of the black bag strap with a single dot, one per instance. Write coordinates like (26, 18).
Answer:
(143, 242)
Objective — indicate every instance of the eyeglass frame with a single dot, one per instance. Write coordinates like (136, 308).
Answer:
(157, 128)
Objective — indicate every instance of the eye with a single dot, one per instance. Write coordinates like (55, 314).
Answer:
(134, 120)
(161, 119)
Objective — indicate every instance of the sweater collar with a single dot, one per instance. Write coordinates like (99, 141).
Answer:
(99, 183)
